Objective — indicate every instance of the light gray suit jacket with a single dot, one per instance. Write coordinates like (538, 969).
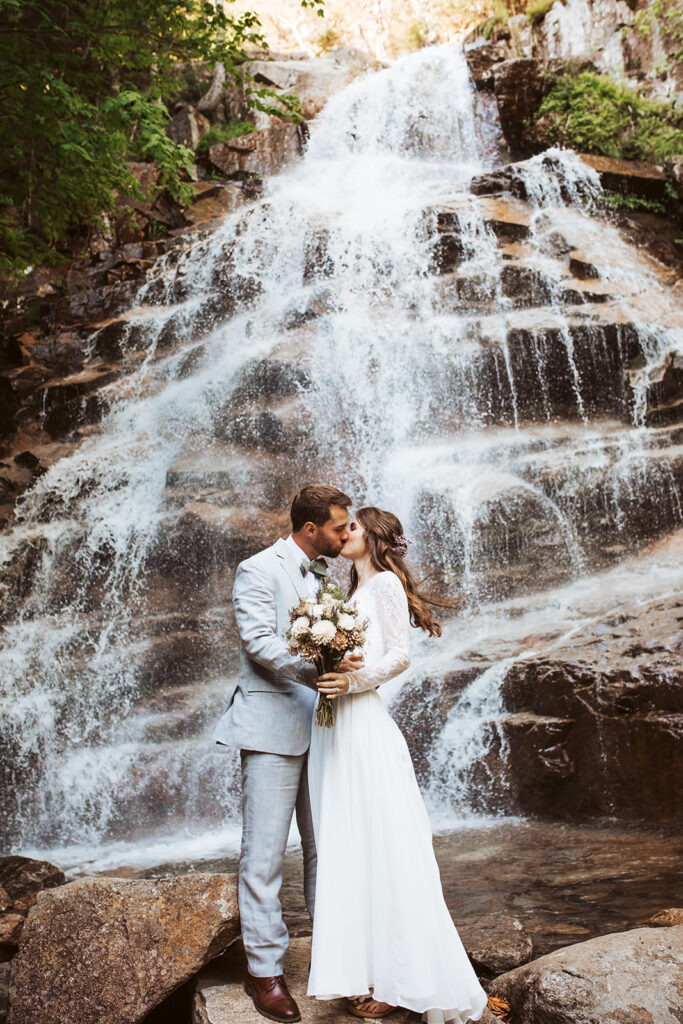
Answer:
(272, 707)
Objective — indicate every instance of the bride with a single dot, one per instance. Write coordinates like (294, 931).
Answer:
(382, 933)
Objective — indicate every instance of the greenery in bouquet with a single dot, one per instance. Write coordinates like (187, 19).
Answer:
(322, 631)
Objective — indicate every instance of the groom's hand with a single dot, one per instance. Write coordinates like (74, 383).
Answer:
(350, 663)
(333, 684)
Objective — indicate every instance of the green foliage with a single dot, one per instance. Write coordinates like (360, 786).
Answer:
(18, 248)
(328, 39)
(633, 203)
(499, 17)
(407, 35)
(537, 10)
(221, 133)
(82, 84)
(667, 16)
(593, 114)
(668, 206)
(500, 12)
(416, 35)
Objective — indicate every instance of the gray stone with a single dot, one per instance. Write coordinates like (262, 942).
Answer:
(633, 977)
(312, 79)
(496, 943)
(261, 152)
(219, 996)
(187, 127)
(111, 949)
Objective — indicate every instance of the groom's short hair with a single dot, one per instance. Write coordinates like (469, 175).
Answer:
(312, 504)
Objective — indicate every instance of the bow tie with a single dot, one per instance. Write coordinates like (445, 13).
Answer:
(318, 567)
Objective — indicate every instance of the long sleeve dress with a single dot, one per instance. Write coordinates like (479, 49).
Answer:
(381, 924)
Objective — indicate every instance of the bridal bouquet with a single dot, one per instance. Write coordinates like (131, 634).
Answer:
(322, 631)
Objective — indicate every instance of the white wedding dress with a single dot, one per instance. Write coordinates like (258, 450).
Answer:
(381, 924)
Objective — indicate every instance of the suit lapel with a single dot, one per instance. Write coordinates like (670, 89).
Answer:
(290, 566)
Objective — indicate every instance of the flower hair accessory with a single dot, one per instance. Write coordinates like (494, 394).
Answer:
(400, 545)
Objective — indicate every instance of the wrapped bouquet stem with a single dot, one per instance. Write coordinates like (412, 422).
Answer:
(322, 631)
(324, 710)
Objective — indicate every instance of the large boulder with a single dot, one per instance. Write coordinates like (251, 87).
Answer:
(634, 977)
(520, 85)
(311, 79)
(496, 943)
(595, 725)
(482, 57)
(606, 28)
(111, 949)
(260, 152)
(21, 880)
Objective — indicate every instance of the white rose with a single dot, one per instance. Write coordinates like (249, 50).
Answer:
(300, 626)
(317, 611)
(323, 630)
(346, 622)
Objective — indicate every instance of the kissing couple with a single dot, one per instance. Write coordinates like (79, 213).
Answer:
(383, 936)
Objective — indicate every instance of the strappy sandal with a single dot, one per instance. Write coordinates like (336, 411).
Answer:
(354, 1007)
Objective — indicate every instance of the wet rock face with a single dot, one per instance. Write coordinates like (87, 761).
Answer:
(519, 90)
(629, 177)
(115, 948)
(630, 976)
(595, 728)
(603, 29)
(664, 393)
(606, 28)
(482, 59)
(520, 85)
(539, 358)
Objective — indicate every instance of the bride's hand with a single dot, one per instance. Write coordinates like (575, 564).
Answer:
(350, 663)
(332, 684)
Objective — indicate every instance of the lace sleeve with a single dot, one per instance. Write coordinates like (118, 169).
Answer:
(394, 623)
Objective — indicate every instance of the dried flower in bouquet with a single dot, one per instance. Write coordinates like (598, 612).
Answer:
(322, 631)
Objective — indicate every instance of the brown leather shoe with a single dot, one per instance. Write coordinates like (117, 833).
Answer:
(272, 998)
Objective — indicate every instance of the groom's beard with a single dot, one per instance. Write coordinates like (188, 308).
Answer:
(327, 552)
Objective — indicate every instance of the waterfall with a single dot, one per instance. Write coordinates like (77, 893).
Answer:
(361, 322)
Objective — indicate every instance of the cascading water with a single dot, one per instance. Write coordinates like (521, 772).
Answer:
(366, 321)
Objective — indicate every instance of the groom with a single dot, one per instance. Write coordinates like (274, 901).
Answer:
(269, 718)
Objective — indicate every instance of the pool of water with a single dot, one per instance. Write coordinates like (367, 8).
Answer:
(564, 882)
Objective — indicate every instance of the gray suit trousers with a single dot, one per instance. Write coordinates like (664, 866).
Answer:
(273, 787)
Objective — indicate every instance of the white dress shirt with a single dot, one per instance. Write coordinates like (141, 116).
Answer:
(310, 579)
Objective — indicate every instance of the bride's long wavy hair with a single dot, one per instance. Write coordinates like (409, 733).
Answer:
(381, 530)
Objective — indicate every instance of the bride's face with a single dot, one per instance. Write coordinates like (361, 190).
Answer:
(355, 546)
